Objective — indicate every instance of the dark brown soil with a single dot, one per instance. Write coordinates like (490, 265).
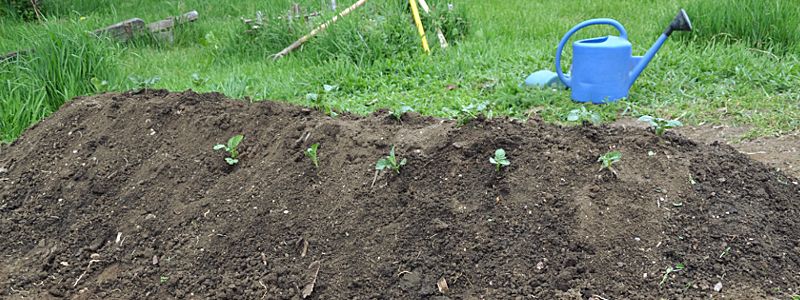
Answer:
(122, 197)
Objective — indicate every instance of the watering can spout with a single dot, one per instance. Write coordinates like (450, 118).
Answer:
(681, 22)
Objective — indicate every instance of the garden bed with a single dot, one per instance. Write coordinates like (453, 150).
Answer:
(122, 196)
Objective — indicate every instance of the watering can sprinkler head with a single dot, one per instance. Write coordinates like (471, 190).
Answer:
(680, 23)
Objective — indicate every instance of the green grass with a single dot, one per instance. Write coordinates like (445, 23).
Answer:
(772, 25)
(698, 79)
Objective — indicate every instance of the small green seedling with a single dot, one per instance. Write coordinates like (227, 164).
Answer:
(499, 160)
(398, 114)
(670, 270)
(660, 125)
(143, 82)
(582, 114)
(390, 162)
(725, 252)
(311, 153)
(100, 86)
(231, 148)
(163, 279)
(607, 160)
(198, 81)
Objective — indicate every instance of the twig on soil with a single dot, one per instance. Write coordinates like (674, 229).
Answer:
(85, 271)
(265, 287)
(403, 272)
(374, 179)
(598, 297)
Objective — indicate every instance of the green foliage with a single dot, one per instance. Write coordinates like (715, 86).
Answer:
(198, 81)
(21, 9)
(499, 160)
(398, 114)
(60, 65)
(311, 153)
(375, 32)
(660, 125)
(232, 148)
(470, 112)
(100, 86)
(582, 114)
(772, 25)
(144, 82)
(669, 271)
(607, 160)
(163, 279)
(390, 162)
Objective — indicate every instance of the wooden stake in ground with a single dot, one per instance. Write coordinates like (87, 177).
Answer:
(439, 34)
(420, 29)
(317, 30)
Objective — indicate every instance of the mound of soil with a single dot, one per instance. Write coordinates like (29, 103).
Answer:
(120, 196)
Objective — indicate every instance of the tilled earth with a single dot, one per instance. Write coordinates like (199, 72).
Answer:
(120, 196)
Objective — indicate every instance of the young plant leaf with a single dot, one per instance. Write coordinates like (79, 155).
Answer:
(499, 160)
(311, 153)
(220, 146)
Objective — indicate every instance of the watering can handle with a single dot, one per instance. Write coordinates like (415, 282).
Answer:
(622, 33)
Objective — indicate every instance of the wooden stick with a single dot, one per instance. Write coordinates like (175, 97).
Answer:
(35, 5)
(439, 34)
(317, 30)
(420, 29)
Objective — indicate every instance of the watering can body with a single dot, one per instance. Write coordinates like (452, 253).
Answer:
(603, 68)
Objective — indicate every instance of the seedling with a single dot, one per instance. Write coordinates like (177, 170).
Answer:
(499, 160)
(582, 114)
(397, 114)
(163, 279)
(144, 83)
(311, 153)
(668, 271)
(660, 125)
(607, 160)
(198, 81)
(725, 252)
(390, 162)
(231, 148)
(100, 86)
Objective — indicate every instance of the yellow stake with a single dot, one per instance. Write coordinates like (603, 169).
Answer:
(418, 21)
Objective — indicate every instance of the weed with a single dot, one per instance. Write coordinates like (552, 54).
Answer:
(311, 153)
(669, 271)
(163, 279)
(607, 160)
(582, 114)
(499, 160)
(231, 148)
(660, 125)
(390, 162)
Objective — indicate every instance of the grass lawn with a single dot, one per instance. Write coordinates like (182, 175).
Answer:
(697, 79)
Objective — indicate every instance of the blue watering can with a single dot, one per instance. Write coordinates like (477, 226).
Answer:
(603, 68)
